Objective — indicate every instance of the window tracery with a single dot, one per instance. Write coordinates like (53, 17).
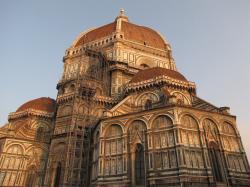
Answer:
(136, 130)
(16, 161)
(163, 139)
(190, 137)
(113, 150)
(15, 149)
(143, 99)
(229, 138)
(71, 70)
(189, 132)
(232, 146)
(228, 129)
(211, 130)
(181, 98)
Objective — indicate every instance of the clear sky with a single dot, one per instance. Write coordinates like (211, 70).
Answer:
(210, 41)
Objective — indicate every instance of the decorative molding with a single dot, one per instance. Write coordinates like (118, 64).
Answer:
(25, 113)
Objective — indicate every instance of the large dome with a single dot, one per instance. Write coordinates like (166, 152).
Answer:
(131, 32)
(45, 104)
(151, 73)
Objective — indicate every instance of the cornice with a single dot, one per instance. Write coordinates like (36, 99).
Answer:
(30, 112)
(65, 97)
(105, 100)
(159, 81)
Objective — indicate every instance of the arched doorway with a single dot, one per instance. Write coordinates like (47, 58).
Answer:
(216, 162)
(139, 165)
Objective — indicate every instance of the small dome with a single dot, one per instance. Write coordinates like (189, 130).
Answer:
(45, 104)
(156, 72)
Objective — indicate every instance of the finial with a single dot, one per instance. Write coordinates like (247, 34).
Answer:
(122, 16)
(122, 12)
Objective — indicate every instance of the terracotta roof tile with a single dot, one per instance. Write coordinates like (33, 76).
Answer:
(131, 32)
(98, 33)
(44, 104)
(155, 72)
(142, 34)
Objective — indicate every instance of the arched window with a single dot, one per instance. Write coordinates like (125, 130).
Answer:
(113, 131)
(136, 128)
(189, 134)
(162, 122)
(215, 159)
(211, 130)
(139, 165)
(72, 88)
(162, 135)
(40, 134)
(142, 100)
(189, 122)
(98, 91)
(229, 138)
(15, 149)
(228, 129)
(163, 138)
(113, 150)
(181, 98)
(233, 146)
(148, 104)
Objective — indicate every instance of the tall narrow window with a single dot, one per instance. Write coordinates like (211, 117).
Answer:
(40, 134)
(58, 175)
(113, 149)
(139, 165)
(148, 104)
(215, 161)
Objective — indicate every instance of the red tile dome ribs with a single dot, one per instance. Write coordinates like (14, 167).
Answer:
(156, 72)
(44, 104)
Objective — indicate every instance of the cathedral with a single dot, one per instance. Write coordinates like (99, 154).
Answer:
(124, 116)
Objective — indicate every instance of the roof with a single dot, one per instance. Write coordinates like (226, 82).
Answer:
(98, 33)
(132, 32)
(143, 34)
(45, 104)
(156, 72)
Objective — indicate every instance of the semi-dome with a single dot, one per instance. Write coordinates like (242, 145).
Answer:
(129, 31)
(151, 73)
(45, 104)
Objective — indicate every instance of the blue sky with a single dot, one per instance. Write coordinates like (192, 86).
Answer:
(210, 41)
